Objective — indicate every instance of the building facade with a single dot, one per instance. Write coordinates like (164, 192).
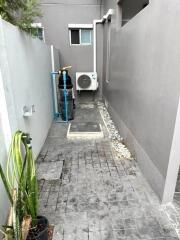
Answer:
(57, 18)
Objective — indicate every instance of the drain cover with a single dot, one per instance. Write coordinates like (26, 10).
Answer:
(85, 129)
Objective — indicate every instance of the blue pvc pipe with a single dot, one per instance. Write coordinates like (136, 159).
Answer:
(57, 115)
(65, 96)
(52, 85)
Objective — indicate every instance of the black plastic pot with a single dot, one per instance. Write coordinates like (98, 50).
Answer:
(43, 234)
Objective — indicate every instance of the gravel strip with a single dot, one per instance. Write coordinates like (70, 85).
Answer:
(116, 140)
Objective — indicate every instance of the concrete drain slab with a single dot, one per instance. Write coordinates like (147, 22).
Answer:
(49, 170)
(85, 130)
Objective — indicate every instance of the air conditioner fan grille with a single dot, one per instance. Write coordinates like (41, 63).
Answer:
(84, 81)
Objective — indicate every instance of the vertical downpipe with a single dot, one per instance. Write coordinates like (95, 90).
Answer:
(55, 103)
(94, 46)
(65, 95)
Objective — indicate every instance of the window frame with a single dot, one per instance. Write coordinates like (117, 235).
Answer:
(80, 36)
(90, 32)
(70, 37)
(39, 26)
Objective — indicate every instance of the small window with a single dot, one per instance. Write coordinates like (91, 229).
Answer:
(75, 37)
(40, 33)
(36, 30)
(85, 36)
(80, 36)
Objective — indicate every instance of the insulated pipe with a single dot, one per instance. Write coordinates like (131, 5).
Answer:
(53, 81)
(95, 22)
(65, 96)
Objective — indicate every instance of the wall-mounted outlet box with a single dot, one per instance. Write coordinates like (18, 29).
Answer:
(28, 111)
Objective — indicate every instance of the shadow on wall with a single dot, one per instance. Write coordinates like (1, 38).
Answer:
(129, 8)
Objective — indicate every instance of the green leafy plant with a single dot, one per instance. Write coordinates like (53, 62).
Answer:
(21, 13)
(21, 185)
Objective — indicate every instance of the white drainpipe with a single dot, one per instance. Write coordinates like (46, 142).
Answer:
(95, 44)
(95, 22)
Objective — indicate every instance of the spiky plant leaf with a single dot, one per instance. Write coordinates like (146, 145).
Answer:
(6, 185)
(21, 174)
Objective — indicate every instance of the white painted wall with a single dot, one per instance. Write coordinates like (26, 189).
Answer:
(3, 199)
(25, 67)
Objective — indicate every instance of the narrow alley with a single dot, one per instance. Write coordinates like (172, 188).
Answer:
(90, 115)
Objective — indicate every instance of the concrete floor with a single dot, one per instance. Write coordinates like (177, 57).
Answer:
(90, 194)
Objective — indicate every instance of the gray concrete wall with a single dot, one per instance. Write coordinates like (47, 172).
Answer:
(57, 14)
(144, 87)
(25, 67)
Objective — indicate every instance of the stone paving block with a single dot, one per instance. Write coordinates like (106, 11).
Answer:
(53, 198)
(132, 212)
(46, 186)
(72, 205)
(107, 235)
(129, 223)
(94, 235)
(53, 208)
(105, 223)
(117, 222)
(149, 227)
(93, 221)
(40, 184)
(114, 209)
(83, 234)
(55, 185)
(69, 235)
(61, 207)
(49, 171)
(128, 234)
(58, 233)
(103, 196)
(43, 199)
(169, 238)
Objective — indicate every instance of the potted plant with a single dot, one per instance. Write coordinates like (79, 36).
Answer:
(21, 185)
